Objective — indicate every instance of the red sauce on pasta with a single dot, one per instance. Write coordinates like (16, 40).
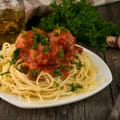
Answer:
(52, 52)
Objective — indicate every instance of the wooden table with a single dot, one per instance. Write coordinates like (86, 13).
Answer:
(97, 107)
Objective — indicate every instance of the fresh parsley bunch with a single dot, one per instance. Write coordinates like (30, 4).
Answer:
(82, 20)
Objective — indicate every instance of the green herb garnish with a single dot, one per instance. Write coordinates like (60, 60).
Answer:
(38, 38)
(15, 56)
(57, 73)
(59, 30)
(63, 67)
(23, 69)
(36, 41)
(33, 29)
(46, 48)
(61, 53)
(76, 56)
(4, 73)
(34, 46)
(34, 73)
(56, 84)
(44, 41)
(74, 87)
(23, 34)
(82, 20)
(1, 56)
(78, 64)
(56, 34)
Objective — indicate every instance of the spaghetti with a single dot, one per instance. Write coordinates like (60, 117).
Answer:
(80, 77)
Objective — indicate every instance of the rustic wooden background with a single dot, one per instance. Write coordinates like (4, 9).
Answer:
(97, 107)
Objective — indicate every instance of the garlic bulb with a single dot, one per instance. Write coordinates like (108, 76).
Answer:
(113, 41)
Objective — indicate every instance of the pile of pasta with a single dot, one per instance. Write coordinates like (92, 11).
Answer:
(45, 87)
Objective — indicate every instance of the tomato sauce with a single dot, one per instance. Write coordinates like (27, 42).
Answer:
(47, 52)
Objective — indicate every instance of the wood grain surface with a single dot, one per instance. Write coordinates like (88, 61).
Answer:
(97, 107)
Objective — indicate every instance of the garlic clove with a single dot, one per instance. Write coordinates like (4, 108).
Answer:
(112, 41)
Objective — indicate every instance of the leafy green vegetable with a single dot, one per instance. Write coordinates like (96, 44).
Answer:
(37, 39)
(33, 29)
(44, 41)
(15, 56)
(1, 56)
(46, 48)
(78, 64)
(57, 73)
(56, 34)
(63, 67)
(76, 56)
(34, 46)
(34, 73)
(4, 73)
(82, 20)
(61, 53)
(74, 87)
(23, 34)
(23, 69)
(56, 84)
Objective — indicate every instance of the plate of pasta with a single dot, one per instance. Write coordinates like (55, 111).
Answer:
(49, 69)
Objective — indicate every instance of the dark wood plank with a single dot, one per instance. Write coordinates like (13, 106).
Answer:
(104, 12)
(14, 113)
(96, 107)
(115, 114)
(110, 12)
(113, 60)
(61, 112)
(115, 12)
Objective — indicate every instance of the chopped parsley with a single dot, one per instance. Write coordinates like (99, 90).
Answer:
(78, 64)
(74, 87)
(1, 56)
(61, 53)
(63, 67)
(23, 34)
(37, 38)
(34, 46)
(34, 73)
(76, 56)
(56, 34)
(15, 56)
(33, 29)
(46, 48)
(4, 73)
(23, 69)
(56, 84)
(93, 29)
(44, 41)
(57, 73)
(59, 30)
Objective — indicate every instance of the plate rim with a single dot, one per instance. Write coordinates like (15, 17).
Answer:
(25, 105)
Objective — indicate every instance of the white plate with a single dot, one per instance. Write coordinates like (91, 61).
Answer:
(103, 71)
